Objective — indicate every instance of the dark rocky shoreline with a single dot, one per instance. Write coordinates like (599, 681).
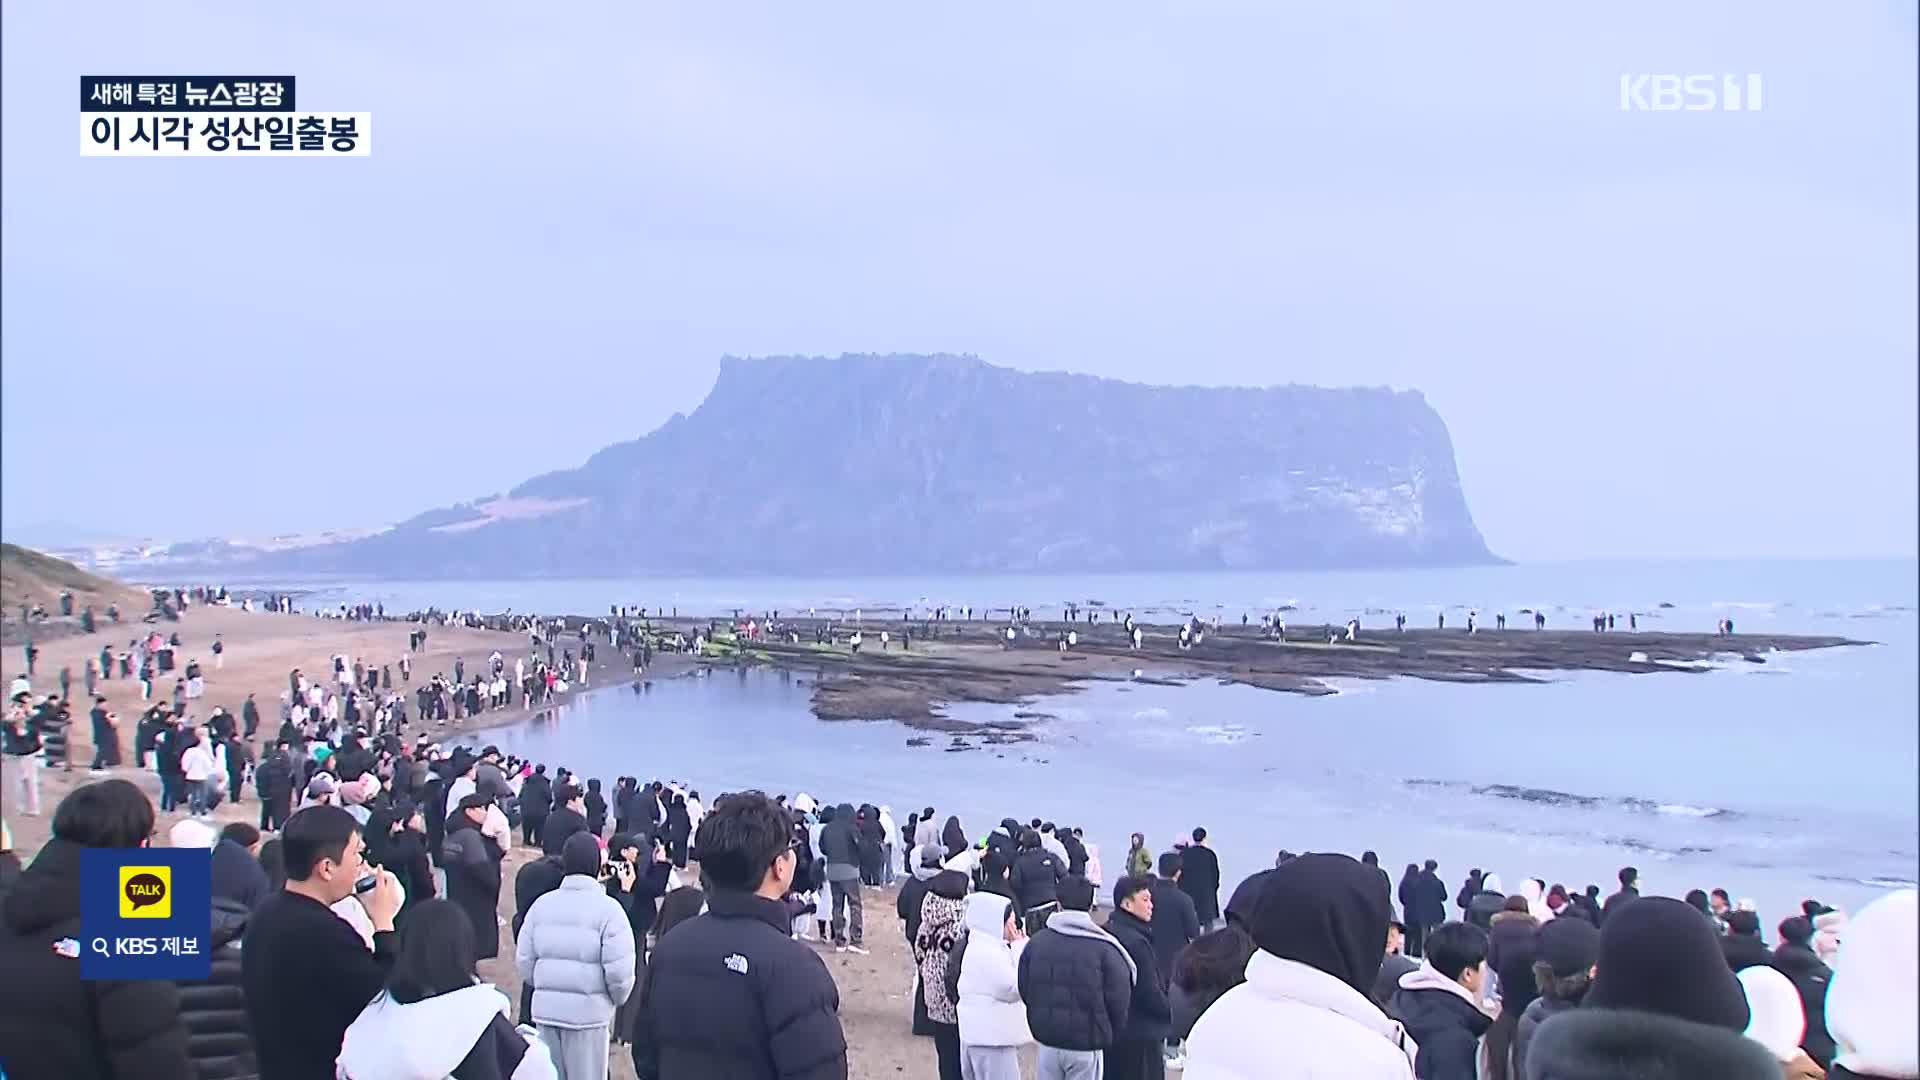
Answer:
(951, 662)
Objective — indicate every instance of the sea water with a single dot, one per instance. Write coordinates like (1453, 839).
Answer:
(1781, 780)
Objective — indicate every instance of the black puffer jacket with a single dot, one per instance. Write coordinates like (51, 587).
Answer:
(215, 1011)
(730, 995)
(1809, 975)
(52, 1025)
(1077, 990)
(1448, 1029)
(1036, 878)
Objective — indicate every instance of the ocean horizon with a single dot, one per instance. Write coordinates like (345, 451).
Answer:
(1779, 780)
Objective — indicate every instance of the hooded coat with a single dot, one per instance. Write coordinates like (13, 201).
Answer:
(942, 917)
(1778, 1021)
(466, 1031)
(1658, 955)
(1599, 1044)
(990, 1010)
(840, 845)
(1512, 945)
(54, 1025)
(1319, 922)
(1875, 994)
(1444, 1020)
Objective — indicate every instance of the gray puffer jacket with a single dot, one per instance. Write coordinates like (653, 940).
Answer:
(576, 948)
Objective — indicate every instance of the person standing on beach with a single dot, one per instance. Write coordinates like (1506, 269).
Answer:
(1200, 879)
(729, 992)
(1429, 907)
(1139, 859)
(840, 847)
(1174, 927)
(1138, 1051)
(576, 947)
(306, 971)
(21, 757)
(273, 782)
(1077, 982)
(1629, 892)
(472, 862)
(536, 803)
(106, 737)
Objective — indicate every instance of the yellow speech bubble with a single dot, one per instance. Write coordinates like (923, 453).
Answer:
(146, 892)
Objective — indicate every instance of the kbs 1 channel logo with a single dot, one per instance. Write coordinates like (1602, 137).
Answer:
(235, 116)
(145, 913)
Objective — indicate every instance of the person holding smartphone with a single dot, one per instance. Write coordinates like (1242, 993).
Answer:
(637, 882)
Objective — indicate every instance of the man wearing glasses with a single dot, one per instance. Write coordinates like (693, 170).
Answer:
(730, 993)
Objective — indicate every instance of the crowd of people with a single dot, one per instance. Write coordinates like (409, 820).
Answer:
(356, 942)
(357, 928)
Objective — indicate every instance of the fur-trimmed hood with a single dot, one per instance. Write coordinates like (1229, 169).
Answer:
(1604, 1044)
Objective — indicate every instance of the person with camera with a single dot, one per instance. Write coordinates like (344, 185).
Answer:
(306, 972)
(106, 736)
(471, 859)
(638, 887)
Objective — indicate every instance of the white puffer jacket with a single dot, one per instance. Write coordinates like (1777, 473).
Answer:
(576, 948)
(990, 1010)
(428, 1039)
(1293, 1020)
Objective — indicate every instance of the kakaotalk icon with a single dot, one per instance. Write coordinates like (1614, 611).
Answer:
(146, 892)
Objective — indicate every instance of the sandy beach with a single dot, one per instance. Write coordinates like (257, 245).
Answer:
(260, 648)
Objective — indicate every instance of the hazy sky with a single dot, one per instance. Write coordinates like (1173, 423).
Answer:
(1671, 334)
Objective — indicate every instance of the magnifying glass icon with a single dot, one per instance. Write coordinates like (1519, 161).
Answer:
(100, 947)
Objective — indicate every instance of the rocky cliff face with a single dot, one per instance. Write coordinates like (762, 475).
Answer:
(945, 464)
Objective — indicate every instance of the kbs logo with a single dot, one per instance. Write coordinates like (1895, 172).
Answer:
(1689, 93)
(146, 892)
